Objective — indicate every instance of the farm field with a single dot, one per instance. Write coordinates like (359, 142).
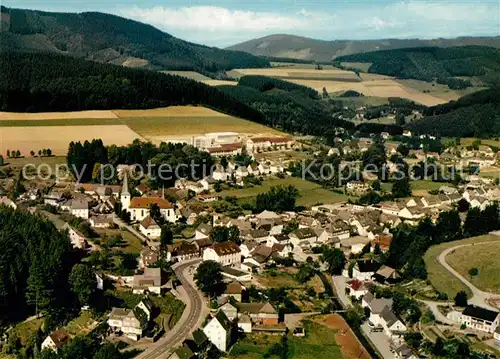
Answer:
(443, 280)
(361, 101)
(437, 90)
(57, 138)
(310, 192)
(35, 131)
(419, 188)
(193, 75)
(337, 80)
(211, 82)
(465, 258)
(362, 66)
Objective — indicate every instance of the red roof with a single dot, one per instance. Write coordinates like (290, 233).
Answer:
(355, 284)
(225, 148)
(146, 202)
(226, 248)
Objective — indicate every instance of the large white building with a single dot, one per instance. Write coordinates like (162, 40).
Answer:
(481, 319)
(218, 331)
(214, 139)
(225, 253)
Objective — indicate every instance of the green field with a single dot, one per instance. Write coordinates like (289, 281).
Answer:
(418, 187)
(480, 257)
(310, 193)
(360, 101)
(319, 343)
(362, 66)
(440, 278)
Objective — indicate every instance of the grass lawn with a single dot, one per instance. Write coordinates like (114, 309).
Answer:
(480, 257)
(440, 278)
(418, 187)
(319, 343)
(129, 244)
(310, 193)
(80, 324)
(23, 331)
(486, 348)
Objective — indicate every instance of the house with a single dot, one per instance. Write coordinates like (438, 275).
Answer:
(234, 290)
(55, 340)
(357, 186)
(77, 239)
(259, 313)
(6, 201)
(225, 253)
(265, 143)
(202, 231)
(101, 221)
(391, 324)
(404, 352)
(131, 323)
(364, 270)
(303, 237)
(80, 208)
(259, 235)
(183, 352)
(150, 228)
(354, 244)
(376, 306)
(150, 281)
(139, 208)
(147, 258)
(218, 331)
(481, 319)
(199, 342)
(181, 251)
(219, 174)
(283, 239)
(245, 323)
(386, 274)
(356, 288)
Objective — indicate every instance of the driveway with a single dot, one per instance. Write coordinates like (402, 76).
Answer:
(379, 340)
(479, 297)
(433, 306)
(190, 320)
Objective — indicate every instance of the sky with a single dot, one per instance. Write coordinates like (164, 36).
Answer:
(226, 22)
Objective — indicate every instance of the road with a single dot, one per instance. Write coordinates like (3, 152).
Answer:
(190, 320)
(479, 297)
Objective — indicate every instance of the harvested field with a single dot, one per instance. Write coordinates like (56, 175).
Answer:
(345, 338)
(299, 73)
(172, 111)
(193, 75)
(57, 138)
(219, 82)
(55, 115)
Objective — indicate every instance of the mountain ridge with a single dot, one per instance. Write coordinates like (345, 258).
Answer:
(113, 39)
(305, 48)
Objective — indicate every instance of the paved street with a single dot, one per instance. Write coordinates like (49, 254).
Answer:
(191, 318)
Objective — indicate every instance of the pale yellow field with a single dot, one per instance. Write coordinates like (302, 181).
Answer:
(172, 111)
(298, 72)
(219, 82)
(57, 138)
(55, 115)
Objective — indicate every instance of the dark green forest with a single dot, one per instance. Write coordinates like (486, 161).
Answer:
(48, 82)
(109, 38)
(476, 115)
(264, 83)
(434, 63)
(35, 262)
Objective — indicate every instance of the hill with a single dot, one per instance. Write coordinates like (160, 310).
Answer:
(430, 63)
(474, 115)
(303, 48)
(40, 82)
(113, 39)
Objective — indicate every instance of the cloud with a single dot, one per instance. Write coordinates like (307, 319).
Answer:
(222, 26)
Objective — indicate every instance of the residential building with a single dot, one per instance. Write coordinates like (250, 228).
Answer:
(229, 310)
(225, 253)
(101, 221)
(481, 319)
(131, 323)
(391, 324)
(234, 290)
(55, 340)
(496, 336)
(245, 323)
(259, 313)
(147, 258)
(218, 331)
(80, 208)
(77, 239)
(303, 237)
(364, 270)
(150, 281)
(181, 251)
(150, 228)
(356, 288)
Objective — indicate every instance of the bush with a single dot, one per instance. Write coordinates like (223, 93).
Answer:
(473, 272)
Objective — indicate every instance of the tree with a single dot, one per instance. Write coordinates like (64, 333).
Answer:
(108, 351)
(18, 154)
(166, 237)
(233, 234)
(2, 161)
(463, 350)
(224, 162)
(8, 153)
(438, 347)
(32, 153)
(217, 186)
(278, 198)
(83, 283)
(376, 250)
(401, 188)
(40, 153)
(335, 260)
(325, 93)
(403, 149)
(209, 279)
(219, 234)
(473, 272)
(376, 185)
(49, 152)
(461, 299)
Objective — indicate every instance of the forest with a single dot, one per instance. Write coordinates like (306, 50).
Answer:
(48, 82)
(35, 263)
(110, 38)
(86, 159)
(474, 115)
(264, 83)
(434, 63)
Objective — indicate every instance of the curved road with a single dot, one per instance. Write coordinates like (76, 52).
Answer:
(189, 321)
(479, 297)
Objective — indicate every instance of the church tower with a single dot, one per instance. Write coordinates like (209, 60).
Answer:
(125, 194)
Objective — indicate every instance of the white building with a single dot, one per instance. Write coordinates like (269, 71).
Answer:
(55, 340)
(150, 228)
(225, 253)
(77, 239)
(80, 208)
(218, 331)
(140, 208)
(481, 319)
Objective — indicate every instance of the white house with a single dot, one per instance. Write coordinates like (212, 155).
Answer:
(101, 221)
(356, 288)
(131, 323)
(364, 270)
(55, 340)
(150, 281)
(80, 208)
(481, 319)
(245, 323)
(218, 331)
(225, 253)
(77, 239)
(150, 228)
(391, 324)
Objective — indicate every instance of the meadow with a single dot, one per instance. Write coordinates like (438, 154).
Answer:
(310, 193)
(441, 279)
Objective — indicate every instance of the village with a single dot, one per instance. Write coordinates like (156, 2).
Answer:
(249, 245)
